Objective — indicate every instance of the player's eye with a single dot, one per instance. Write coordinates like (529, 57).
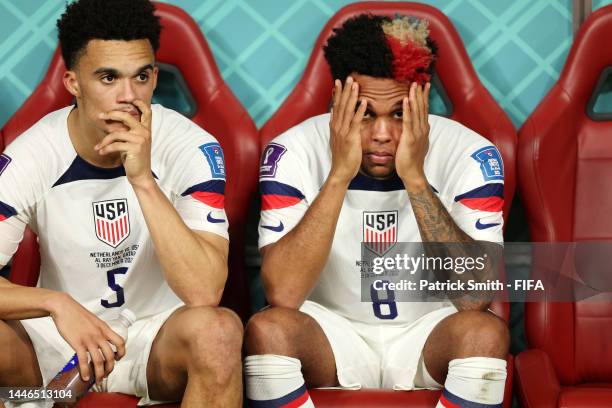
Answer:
(143, 76)
(398, 114)
(368, 114)
(107, 79)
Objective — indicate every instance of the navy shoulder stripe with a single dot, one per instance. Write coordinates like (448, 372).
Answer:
(363, 182)
(82, 170)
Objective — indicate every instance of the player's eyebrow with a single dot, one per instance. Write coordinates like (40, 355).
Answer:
(394, 108)
(115, 72)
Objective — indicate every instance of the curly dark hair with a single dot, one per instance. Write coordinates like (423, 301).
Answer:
(86, 20)
(360, 46)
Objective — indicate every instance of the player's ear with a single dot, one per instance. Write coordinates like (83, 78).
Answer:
(71, 83)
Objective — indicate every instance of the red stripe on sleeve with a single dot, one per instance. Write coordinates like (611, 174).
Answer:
(274, 201)
(214, 200)
(490, 204)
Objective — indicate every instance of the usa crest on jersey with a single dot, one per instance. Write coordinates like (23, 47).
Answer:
(380, 230)
(112, 222)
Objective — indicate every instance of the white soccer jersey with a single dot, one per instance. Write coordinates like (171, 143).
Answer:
(94, 242)
(464, 169)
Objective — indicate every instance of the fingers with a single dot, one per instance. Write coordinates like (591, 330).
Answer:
(426, 97)
(421, 107)
(83, 363)
(358, 117)
(145, 110)
(425, 109)
(118, 137)
(414, 106)
(124, 142)
(419, 100)
(337, 94)
(346, 94)
(117, 341)
(123, 117)
(349, 107)
(97, 360)
(406, 117)
(122, 147)
(109, 357)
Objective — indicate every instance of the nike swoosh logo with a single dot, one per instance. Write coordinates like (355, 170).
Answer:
(482, 226)
(278, 228)
(209, 218)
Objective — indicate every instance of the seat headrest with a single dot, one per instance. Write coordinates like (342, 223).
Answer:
(588, 57)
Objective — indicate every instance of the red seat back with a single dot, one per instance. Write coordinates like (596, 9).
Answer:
(565, 174)
(218, 111)
(473, 105)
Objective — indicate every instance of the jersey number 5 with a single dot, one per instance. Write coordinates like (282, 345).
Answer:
(110, 276)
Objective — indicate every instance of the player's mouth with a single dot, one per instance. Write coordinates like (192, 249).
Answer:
(379, 157)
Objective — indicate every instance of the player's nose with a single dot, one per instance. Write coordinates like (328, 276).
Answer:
(381, 131)
(126, 92)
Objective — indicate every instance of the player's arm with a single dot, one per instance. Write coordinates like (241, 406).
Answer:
(291, 266)
(434, 222)
(83, 330)
(194, 262)
(21, 302)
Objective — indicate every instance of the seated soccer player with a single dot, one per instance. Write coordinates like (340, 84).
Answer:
(377, 156)
(127, 201)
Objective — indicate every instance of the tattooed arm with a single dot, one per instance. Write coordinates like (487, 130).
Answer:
(440, 234)
(434, 221)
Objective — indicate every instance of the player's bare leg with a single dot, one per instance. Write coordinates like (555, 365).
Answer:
(289, 332)
(287, 352)
(196, 357)
(467, 352)
(18, 362)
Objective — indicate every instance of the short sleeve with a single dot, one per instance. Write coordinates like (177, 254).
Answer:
(282, 186)
(17, 200)
(201, 184)
(478, 202)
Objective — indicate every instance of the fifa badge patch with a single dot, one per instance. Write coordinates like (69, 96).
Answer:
(214, 155)
(112, 222)
(380, 231)
(270, 159)
(4, 162)
(491, 164)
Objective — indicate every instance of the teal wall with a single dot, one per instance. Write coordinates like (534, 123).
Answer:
(261, 46)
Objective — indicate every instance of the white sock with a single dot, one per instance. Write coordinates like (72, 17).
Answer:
(474, 382)
(275, 381)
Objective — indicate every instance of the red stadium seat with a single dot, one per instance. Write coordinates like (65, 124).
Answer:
(473, 106)
(565, 173)
(217, 111)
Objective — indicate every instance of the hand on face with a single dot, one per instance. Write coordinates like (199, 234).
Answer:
(414, 140)
(345, 131)
(134, 144)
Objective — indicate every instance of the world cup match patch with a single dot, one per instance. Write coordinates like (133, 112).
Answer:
(214, 155)
(4, 162)
(270, 159)
(491, 163)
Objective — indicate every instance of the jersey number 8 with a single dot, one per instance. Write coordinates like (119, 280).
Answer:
(389, 310)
